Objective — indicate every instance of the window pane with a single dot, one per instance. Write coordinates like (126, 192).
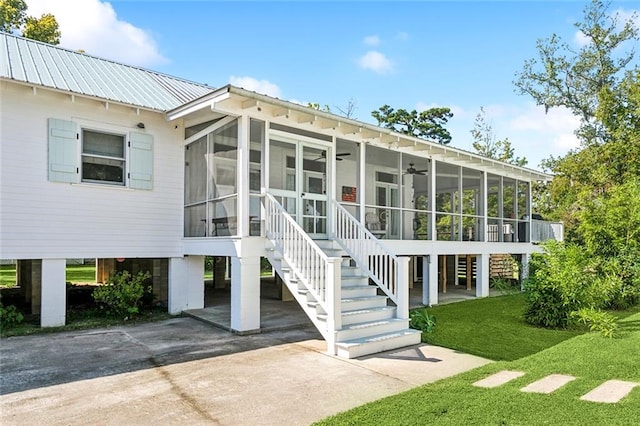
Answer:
(102, 170)
(105, 144)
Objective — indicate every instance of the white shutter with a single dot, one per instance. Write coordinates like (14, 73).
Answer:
(63, 151)
(140, 161)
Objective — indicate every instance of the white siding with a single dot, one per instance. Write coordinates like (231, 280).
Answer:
(44, 219)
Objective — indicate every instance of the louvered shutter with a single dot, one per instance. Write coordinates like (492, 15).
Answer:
(141, 161)
(63, 151)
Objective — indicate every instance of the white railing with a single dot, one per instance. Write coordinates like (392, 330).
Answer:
(319, 273)
(388, 271)
(542, 231)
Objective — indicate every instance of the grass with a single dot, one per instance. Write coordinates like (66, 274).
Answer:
(592, 359)
(491, 327)
(75, 274)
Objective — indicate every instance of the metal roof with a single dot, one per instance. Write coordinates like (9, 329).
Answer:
(42, 64)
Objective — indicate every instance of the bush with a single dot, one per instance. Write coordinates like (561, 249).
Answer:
(600, 321)
(419, 319)
(562, 281)
(10, 316)
(122, 295)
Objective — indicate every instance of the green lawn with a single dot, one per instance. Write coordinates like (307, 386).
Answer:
(491, 327)
(589, 357)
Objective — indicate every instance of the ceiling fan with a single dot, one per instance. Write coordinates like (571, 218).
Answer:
(412, 170)
(323, 156)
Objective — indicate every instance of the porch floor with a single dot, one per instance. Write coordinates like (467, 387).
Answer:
(278, 315)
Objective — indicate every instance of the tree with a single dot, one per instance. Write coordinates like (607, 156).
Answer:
(13, 18)
(577, 80)
(13, 14)
(44, 29)
(348, 111)
(428, 124)
(486, 144)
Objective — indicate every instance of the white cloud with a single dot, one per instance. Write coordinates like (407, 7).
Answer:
(580, 39)
(626, 15)
(372, 40)
(93, 26)
(260, 86)
(533, 134)
(376, 62)
(403, 36)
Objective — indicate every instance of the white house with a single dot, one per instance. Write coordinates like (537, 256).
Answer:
(103, 160)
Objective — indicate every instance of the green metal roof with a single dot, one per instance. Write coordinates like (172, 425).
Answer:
(45, 65)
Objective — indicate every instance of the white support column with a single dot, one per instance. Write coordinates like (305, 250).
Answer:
(186, 283)
(362, 180)
(54, 293)
(484, 196)
(432, 207)
(430, 280)
(332, 187)
(245, 293)
(402, 310)
(482, 275)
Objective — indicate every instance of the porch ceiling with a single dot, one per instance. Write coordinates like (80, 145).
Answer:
(237, 101)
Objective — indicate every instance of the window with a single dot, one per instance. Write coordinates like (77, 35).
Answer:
(103, 157)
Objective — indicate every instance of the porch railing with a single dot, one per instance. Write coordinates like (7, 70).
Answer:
(542, 231)
(388, 271)
(318, 273)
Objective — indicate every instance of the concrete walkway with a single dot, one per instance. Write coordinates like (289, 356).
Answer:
(182, 371)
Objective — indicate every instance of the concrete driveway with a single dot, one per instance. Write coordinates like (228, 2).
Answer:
(181, 371)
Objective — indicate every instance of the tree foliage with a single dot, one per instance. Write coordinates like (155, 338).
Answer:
(564, 77)
(596, 188)
(486, 144)
(428, 124)
(14, 18)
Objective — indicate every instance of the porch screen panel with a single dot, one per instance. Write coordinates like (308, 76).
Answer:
(447, 202)
(509, 209)
(415, 197)
(282, 165)
(223, 155)
(210, 192)
(195, 188)
(382, 192)
(256, 174)
(472, 205)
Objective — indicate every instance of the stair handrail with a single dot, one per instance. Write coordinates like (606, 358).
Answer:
(319, 273)
(388, 271)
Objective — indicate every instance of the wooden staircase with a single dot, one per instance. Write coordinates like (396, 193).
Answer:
(368, 320)
(351, 287)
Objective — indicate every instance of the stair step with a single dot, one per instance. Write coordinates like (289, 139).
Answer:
(371, 328)
(367, 315)
(357, 303)
(378, 343)
(350, 281)
(351, 271)
(358, 291)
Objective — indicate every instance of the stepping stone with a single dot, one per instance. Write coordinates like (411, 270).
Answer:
(610, 391)
(548, 384)
(498, 379)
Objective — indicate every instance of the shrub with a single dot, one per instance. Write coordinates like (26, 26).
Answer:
(562, 281)
(10, 316)
(419, 319)
(122, 295)
(597, 320)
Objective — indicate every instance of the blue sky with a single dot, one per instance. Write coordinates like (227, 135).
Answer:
(412, 55)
